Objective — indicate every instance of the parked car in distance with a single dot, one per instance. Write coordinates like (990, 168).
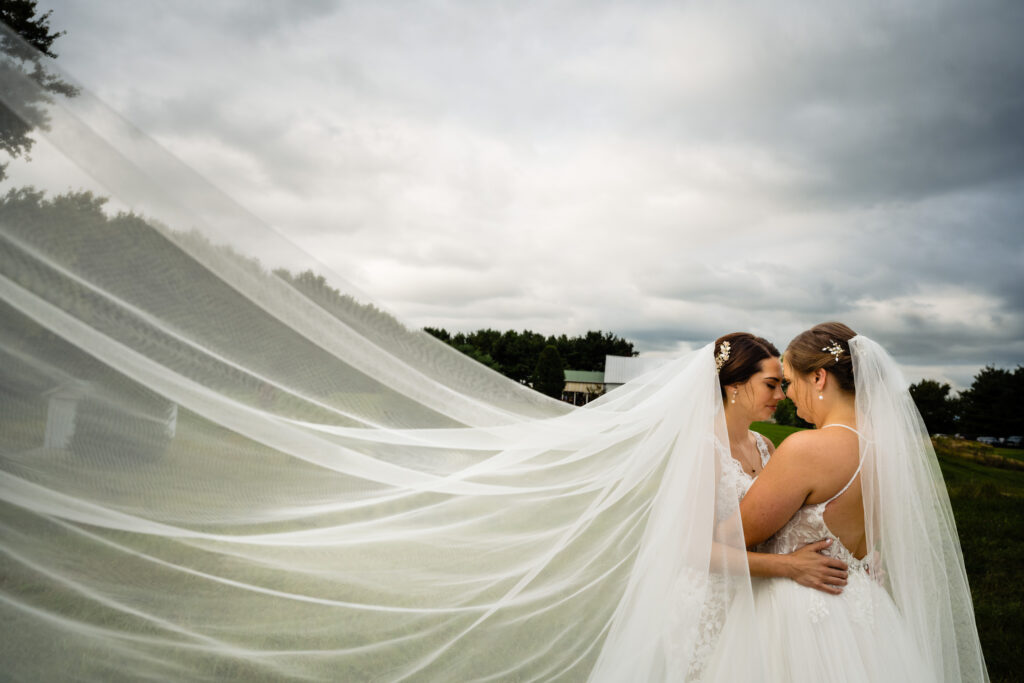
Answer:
(1015, 441)
(990, 440)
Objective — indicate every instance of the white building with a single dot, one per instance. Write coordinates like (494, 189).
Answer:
(620, 369)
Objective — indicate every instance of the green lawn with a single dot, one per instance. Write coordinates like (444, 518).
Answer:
(773, 431)
(988, 503)
(1014, 453)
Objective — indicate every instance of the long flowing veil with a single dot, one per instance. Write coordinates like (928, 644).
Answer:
(909, 520)
(219, 467)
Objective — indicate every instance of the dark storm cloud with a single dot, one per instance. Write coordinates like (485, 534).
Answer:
(874, 104)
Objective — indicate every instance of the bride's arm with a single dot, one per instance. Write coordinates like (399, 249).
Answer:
(806, 565)
(780, 490)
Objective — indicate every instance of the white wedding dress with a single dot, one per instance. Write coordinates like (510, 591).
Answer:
(808, 635)
(710, 594)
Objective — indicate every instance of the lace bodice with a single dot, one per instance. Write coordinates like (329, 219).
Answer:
(734, 477)
(808, 526)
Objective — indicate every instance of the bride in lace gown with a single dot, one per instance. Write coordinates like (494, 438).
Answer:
(901, 617)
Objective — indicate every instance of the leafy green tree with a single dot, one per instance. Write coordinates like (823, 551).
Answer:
(515, 354)
(785, 414)
(595, 345)
(479, 356)
(24, 61)
(549, 375)
(935, 405)
(992, 405)
(439, 333)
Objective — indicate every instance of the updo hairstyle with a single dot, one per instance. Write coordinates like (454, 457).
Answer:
(807, 353)
(745, 355)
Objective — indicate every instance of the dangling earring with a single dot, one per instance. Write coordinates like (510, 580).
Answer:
(734, 392)
(821, 397)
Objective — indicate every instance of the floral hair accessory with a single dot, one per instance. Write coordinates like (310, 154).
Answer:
(834, 348)
(722, 356)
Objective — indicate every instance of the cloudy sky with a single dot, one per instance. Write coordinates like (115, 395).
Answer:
(666, 171)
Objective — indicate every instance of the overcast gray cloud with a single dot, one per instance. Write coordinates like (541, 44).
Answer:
(667, 171)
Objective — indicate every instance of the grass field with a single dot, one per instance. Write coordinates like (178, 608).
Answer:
(773, 431)
(1013, 453)
(988, 503)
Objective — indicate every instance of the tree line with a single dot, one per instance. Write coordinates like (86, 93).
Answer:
(532, 358)
(16, 125)
(990, 407)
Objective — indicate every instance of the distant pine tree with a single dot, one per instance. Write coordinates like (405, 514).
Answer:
(549, 375)
(991, 406)
(515, 353)
(785, 414)
(25, 110)
(935, 405)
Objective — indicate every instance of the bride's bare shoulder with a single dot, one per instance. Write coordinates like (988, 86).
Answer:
(804, 445)
(799, 440)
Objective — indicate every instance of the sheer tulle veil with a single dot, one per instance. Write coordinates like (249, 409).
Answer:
(217, 465)
(909, 519)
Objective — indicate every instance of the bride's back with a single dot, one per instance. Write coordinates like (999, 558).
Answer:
(835, 452)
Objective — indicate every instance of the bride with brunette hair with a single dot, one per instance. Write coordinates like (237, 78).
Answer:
(867, 479)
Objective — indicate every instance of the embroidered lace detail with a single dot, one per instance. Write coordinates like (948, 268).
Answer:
(817, 610)
(735, 479)
(808, 526)
(858, 592)
(708, 594)
(689, 593)
(762, 448)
